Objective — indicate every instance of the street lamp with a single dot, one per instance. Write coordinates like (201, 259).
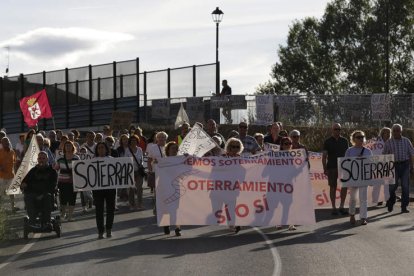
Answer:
(217, 16)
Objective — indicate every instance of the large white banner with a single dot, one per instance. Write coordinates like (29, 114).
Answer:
(366, 170)
(264, 109)
(103, 173)
(270, 189)
(197, 142)
(28, 162)
(271, 147)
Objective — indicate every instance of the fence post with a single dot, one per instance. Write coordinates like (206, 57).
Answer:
(99, 89)
(169, 83)
(114, 82)
(145, 97)
(137, 76)
(90, 96)
(44, 87)
(121, 86)
(21, 81)
(77, 91)
(194, 82)
(67, 97)
(1, 102)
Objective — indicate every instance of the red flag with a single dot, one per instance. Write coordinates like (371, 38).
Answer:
(35, 107)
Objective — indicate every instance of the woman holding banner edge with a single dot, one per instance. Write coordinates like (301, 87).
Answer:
(357, 139)
(102, 197)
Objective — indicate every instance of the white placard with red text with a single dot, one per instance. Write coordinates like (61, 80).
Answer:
(269, 189)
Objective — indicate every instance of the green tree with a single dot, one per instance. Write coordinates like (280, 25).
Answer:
(346, 50)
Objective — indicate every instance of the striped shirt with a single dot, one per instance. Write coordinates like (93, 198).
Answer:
(65, 171)
(401, 148)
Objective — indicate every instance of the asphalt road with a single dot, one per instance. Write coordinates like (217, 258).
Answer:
(138, 247)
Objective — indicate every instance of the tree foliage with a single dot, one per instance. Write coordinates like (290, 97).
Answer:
(345, 51)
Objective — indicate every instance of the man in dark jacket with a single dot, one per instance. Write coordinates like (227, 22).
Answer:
(39, 186)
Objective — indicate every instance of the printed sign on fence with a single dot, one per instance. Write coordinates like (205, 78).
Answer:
(381, 107)
(28, 162)
(269, 189)
(264, 109)
(160, 109)
(231, 102)
(195, 109)
(197, 142)
(121, 120)
(103, 173)
(286, 106)
(366, 170)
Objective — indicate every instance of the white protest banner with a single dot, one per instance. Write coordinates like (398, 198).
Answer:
(230, 102)
(268, 190)
(160, 109)
(366, 170)
(82, 156)
(264, 109)
(381, 107)
(197, 142)
(28, 162)
(195, 109)
(182, 117)
(271, 147)
(103, 173)
(321, 188)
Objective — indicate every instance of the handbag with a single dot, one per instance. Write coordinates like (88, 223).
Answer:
(141, 169)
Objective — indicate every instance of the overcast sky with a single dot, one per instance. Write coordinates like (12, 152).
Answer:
(54, 34)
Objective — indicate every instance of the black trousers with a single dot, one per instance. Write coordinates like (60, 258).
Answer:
(100, 198)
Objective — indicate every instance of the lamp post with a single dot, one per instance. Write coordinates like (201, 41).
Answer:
(217, 16)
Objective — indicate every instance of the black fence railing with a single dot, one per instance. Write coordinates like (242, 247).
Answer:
(90, 88)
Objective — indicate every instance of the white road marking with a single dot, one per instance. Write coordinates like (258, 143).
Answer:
(277, 269)
(21, 251)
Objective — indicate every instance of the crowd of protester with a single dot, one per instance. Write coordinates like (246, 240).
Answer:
(62, 148)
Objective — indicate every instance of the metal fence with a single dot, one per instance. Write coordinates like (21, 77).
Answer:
(90, 87)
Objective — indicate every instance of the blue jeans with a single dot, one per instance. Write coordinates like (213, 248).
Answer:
(402, 174)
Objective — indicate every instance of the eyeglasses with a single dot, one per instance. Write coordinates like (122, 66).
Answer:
(359, 137)
(235, 147)
(242, 126)
(337, 129)
(287, 144)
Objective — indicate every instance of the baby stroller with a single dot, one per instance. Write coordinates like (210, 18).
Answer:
(39, 220)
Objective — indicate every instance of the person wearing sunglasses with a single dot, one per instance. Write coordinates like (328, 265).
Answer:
(334, 147)
(358, 149)
(403, 152)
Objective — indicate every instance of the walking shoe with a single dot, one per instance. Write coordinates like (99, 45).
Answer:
(108, 233)
(166, 230)
(178, 232)
(100, 236)
(364, 221)
(292, 228)
(352, 219)
(405, 210)
(237, 229)
(389, 206)
(343, 212)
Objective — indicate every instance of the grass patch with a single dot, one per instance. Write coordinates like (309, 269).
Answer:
(3, 221)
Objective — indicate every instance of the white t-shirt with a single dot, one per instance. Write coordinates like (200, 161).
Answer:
(155, 152)
(138, 155)
(89, 148)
